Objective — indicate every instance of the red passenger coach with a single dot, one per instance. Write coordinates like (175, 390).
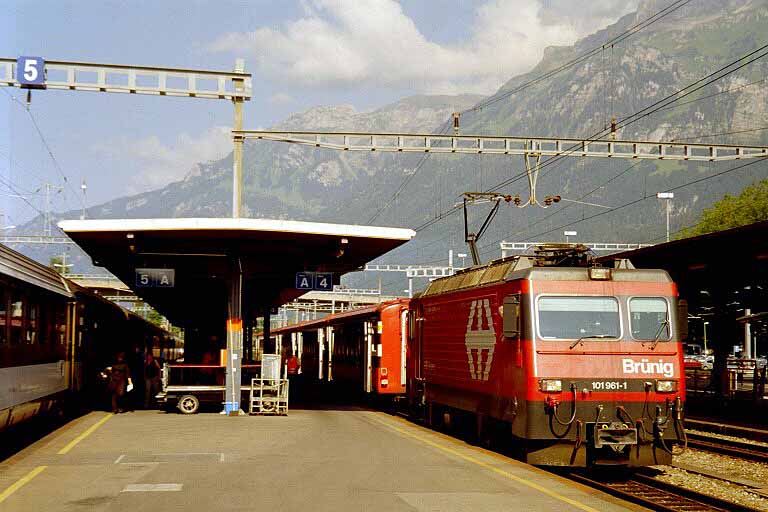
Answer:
(360, 350)
(577, 365)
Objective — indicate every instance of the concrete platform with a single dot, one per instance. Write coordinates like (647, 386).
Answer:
(315, 460)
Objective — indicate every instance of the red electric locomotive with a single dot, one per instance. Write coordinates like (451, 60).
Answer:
(360, 350)
(577, 365)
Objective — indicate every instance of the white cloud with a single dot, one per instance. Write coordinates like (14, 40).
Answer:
(156, 164)
(281, 99)
(340, 42)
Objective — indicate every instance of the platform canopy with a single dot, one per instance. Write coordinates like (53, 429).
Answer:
(203, 252)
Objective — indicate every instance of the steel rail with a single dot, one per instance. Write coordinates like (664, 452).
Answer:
(660, 496)
(730, 447)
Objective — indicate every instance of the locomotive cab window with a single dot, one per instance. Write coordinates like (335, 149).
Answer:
(649, 318)
(572, 318)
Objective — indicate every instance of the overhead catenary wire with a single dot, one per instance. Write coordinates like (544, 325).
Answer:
(632, 118)
(636, 201)
(674, 6)
(44, 141)
(407, 179)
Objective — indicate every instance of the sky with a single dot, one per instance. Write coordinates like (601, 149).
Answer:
(303, 53)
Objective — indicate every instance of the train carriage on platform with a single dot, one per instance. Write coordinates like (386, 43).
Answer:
(55, 339)
(359, 351)
(574, 364)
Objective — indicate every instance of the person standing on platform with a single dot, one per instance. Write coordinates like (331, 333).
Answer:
(119, 379)
(151, 379)
(136, 365)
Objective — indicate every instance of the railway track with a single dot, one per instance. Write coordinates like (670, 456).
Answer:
(755, 452)
(655, 495)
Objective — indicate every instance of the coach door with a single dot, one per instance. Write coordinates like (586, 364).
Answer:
(403, 345)
(330, 336)
(368, 343)
(320, 353)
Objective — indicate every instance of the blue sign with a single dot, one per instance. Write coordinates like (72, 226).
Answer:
(320, 281)
(30, 70)
(324, 281)
(155, 277)
(305, 280)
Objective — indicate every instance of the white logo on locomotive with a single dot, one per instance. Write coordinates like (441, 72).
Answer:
(647, 367)
(480, 339)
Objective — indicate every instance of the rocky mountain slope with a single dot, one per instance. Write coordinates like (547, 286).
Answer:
(287, 181)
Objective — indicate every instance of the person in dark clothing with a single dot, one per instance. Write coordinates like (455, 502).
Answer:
(136, 366)
(151, 379)
(119, 378)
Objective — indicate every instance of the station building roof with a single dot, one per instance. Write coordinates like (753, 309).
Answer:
(724, 259)
(718, 273)
(202, 252)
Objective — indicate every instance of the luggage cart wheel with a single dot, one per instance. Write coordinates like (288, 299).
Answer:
(188, 404)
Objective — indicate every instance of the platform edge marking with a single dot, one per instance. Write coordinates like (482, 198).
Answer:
(21, 482)
(85, 434)
(489, 467)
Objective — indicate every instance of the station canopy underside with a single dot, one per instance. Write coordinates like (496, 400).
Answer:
(205, 253)
(720, 274)
(716, 261)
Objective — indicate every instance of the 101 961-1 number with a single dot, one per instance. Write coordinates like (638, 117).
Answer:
(609, 385)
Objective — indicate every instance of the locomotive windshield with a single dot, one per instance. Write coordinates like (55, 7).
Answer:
(578, 317)
(649, 318)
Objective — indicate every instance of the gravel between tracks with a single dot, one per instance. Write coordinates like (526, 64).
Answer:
(726, 437)
(725, 466)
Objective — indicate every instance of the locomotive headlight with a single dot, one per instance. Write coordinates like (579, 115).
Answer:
(666, 386)
(551, 385)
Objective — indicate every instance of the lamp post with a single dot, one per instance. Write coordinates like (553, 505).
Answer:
(668, 196)
(569, 234)
(462, 255)
(83, 187)
(705, 337)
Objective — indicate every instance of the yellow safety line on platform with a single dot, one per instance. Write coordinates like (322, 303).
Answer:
(82, 436)
(21, 482)
(489, 467)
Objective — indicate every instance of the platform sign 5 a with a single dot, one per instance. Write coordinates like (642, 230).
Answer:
(305, 280)
(30, 71)
(324, 281)
(155, 277)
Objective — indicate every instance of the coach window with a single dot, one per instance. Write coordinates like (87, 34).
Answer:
(649, 317)
(17, 316)
(61, 325)
(32, 324)
(570, 318)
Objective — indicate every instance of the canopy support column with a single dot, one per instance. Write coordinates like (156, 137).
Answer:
(234, 339)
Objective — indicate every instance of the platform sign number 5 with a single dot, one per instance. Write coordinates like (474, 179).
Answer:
(30, 71)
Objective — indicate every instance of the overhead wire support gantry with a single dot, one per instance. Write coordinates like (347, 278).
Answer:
(532, 149)
(233, 85)
(501, 145)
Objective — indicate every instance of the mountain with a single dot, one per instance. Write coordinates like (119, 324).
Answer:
(290, 181)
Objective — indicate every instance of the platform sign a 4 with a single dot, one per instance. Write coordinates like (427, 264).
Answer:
(30, 71)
